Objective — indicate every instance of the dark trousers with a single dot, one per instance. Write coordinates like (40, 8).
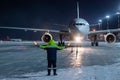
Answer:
(51, 63)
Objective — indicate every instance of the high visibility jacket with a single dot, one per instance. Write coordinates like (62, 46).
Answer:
(52, 50)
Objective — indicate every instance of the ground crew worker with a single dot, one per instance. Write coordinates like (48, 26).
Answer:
(52, 48)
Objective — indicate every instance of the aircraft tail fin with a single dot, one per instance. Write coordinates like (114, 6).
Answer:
(78, 10)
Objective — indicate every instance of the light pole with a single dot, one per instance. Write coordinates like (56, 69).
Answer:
(118, 13)
(100, 24)
(107, 21)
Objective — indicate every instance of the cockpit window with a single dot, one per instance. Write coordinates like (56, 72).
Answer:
(80, 24)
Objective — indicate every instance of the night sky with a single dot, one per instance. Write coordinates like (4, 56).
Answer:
(45, 13)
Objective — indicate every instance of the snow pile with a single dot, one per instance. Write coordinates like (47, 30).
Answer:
(110, 72)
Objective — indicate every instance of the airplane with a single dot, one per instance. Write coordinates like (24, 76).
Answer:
(78, 30)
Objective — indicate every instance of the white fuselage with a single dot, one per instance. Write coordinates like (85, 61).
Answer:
(79, 28)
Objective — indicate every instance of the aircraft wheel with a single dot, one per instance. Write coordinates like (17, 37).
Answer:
(92, 44)
(96, 43)
(61, 44)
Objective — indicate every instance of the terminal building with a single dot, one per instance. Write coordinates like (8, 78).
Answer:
(108, 22)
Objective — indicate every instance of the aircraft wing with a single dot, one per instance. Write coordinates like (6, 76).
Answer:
(35, 29)
(105, 31)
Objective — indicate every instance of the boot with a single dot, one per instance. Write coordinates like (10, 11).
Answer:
(54, 71)
(49, 71)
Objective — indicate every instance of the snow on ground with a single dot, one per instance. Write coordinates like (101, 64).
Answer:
(109, 72)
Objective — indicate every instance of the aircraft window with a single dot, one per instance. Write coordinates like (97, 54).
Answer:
(80, 24)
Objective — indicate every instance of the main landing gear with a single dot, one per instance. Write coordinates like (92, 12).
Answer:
(61, 43)
(94, 41)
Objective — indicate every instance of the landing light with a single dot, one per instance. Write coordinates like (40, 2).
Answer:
(77, 39)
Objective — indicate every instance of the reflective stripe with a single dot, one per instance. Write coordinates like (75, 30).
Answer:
(51, 46)
(59, 47)
(52, 68)
(49, 68)
(47, 46)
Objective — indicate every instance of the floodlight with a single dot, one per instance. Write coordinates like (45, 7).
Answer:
(107, 16)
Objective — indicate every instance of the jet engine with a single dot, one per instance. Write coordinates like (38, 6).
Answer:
(46, 37)
(110, 38)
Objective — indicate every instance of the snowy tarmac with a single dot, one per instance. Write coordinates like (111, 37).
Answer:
(24, 61)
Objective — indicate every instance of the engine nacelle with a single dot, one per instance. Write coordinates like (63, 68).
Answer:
(110, 38)
(46, 37)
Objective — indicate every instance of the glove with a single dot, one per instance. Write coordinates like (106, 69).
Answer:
(36, 44)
